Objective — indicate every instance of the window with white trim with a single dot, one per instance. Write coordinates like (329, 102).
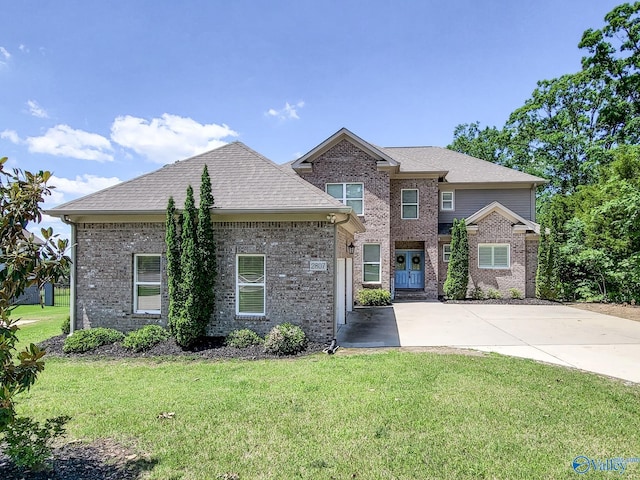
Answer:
(250, 285)
(493, 255)
(447, 201)
(371, 263)
(351, 194)
(446, 252)
(409, 203)
(147, 278)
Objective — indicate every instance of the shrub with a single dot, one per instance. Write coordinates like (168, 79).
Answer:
(85, 340)
(477, 294)
(494, 294)
(516, 294)
(243, 338)
(66, 326)
(285, 339)
(455, 285)
(144, 338)
(374, 297)
(29, 444)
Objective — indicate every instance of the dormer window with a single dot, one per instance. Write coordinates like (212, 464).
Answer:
(351, 194)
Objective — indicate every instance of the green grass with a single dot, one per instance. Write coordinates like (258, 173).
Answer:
(46, 323)
(387, 415)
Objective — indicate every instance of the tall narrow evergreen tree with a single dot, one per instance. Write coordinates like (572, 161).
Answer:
(455, 286)
(206, 251)
(174, 272)
(547, 281)
(187, 327)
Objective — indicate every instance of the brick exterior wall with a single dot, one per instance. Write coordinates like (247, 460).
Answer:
(104, 263)
(442, 266)
(422, 232)
(494, 228)
(346, 163)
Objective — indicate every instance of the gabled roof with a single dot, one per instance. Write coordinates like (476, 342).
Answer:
(384, 160)
(459, 168)
(505, 212)
(242, 181)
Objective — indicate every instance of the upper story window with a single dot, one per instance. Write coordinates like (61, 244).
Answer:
(447, 201)
(493, 255)
(351, 194)
(146, 283)
(446, 252)
(409, 204)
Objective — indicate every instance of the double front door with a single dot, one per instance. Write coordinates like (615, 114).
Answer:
(409, 269)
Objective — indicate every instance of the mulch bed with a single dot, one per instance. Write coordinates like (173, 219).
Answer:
(505, 301)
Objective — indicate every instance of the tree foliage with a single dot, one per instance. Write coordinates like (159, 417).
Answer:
(191, 265)
(24, 262)
(455, 286)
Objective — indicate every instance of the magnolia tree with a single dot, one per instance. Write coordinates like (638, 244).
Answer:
(24, 262)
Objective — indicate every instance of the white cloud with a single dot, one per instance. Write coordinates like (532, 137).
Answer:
(36, 110)
(23, 48)
(64, 141)
(288, 112)
(10, 135)
(168, 138)
(5, 53)
(82, 184)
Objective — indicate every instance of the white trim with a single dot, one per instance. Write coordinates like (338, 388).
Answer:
(344, 198)
(262, 284)
(409, 204)
(506, 213)
(445, 254)
(493, 247)
(453, 201)
(379, 263)
(137, 283)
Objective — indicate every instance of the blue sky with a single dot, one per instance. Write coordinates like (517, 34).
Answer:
(101, 92)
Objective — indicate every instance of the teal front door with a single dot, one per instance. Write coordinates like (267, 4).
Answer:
(409, 269)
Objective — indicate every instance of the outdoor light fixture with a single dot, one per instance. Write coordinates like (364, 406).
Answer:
(351, 248)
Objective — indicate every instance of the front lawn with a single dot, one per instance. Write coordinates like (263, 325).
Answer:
(385, 415)
(40, 323)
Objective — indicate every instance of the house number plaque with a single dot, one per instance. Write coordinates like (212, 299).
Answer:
(318, 266)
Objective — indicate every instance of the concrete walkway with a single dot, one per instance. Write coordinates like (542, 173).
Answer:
(549, 333)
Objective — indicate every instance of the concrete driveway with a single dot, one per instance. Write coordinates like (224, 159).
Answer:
(549, 333)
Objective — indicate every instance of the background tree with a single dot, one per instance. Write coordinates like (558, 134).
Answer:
(206, 251)
(455, 286)
(23, 263)
(547, 280)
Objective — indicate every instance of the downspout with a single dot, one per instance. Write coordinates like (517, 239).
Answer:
(335, 269)
(72, 276)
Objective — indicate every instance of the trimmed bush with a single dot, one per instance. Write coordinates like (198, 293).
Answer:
(477, 294)
(144, 338)
(66, 326)
(516, 294)
(494, 294)
(285, 339)
(374, 297)
(243, 338)
(85, 340)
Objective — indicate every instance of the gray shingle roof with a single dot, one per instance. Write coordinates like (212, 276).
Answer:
(241, 180)
(462, 168)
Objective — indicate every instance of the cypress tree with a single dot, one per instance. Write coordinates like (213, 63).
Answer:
(206, 252)
(547, 271)
(174, 272)
(188, 328)
(455, 286)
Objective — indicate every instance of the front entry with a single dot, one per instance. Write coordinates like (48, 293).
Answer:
(409, 269)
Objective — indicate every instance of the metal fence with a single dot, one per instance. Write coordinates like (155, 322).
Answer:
(56, 294)
(61, 294)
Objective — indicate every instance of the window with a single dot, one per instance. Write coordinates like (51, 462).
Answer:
(371, 263)
(250, 285)
(446, 252)
(447, 201)
(409, 204)
(146, 283)
(351, 194)
(493, 256)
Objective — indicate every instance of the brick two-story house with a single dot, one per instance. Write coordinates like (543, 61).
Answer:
(408, 197)
(288, 251)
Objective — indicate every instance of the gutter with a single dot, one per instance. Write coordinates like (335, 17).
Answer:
(72, 275)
